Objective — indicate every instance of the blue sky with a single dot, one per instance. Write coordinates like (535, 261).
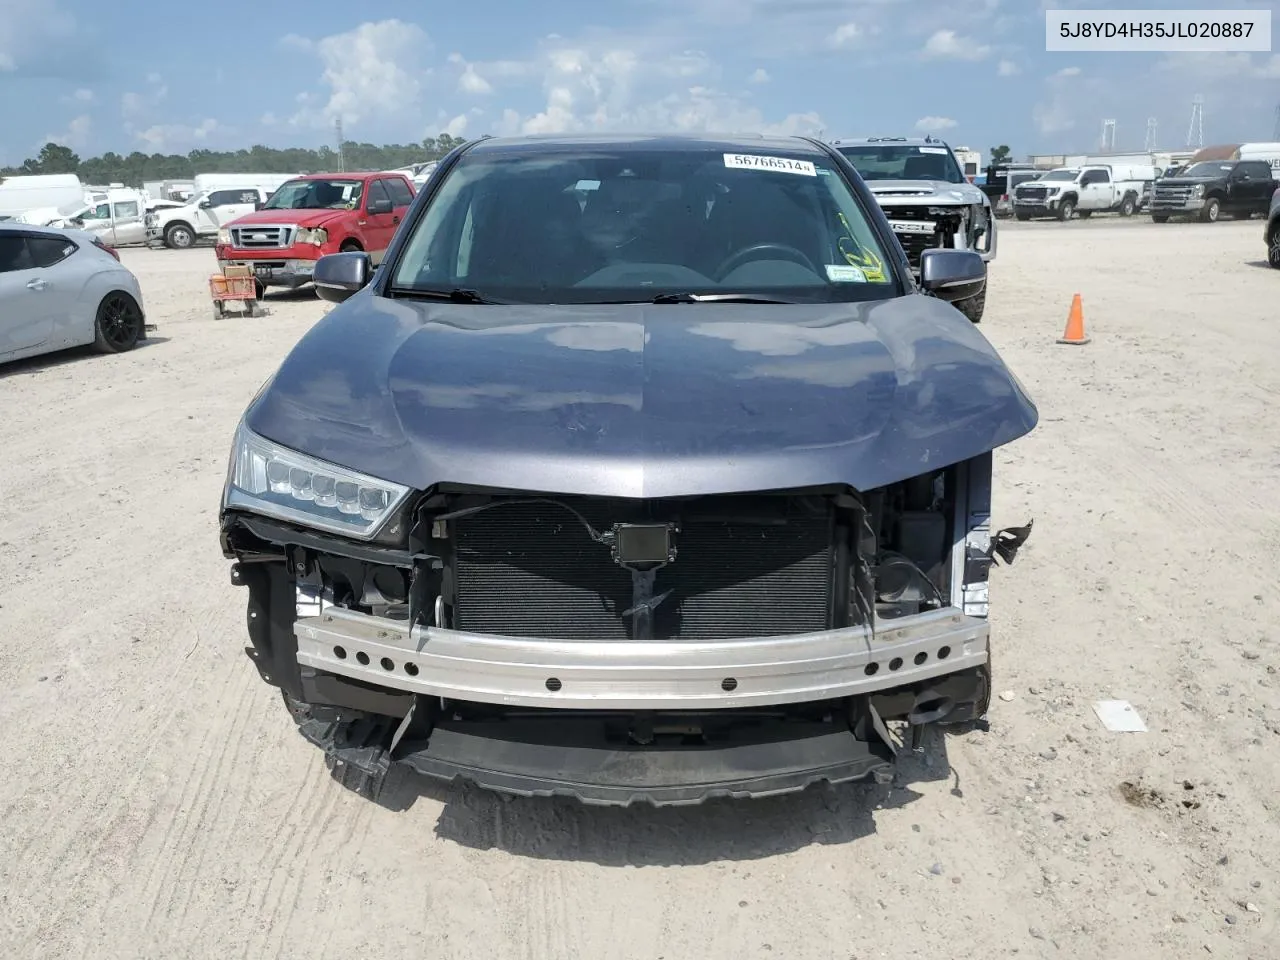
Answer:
(172, 77)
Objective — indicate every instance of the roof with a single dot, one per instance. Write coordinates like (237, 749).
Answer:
(888, 141)
(357, 175)
(728, 143)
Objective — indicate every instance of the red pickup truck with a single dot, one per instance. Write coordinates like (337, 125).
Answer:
(314, 215)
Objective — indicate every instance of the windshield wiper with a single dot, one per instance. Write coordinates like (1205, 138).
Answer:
(714, 298)
(456, 295)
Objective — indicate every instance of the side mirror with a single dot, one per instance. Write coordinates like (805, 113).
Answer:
(378, 206)
(206, 205)
(952, 274)
(340, 276)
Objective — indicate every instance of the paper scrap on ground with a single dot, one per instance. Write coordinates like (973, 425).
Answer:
(1118, 716)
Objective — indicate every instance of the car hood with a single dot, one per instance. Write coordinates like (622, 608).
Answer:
(643, 400)
(301, 218)
(889, 192)
(1185, 181)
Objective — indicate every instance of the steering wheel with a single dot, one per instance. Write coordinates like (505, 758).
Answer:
(753, 252)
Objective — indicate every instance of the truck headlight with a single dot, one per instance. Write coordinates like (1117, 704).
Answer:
(224, 235)
(1198, 190)
(266, 478)
(317, 235)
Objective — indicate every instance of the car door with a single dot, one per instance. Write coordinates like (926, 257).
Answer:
(25, 315)
(61, 277)
(228, 205)
(1099, 190)
(380, 220)
(1261, 186)
(127, 224)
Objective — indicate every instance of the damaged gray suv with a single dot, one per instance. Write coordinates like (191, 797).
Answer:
(641, 469)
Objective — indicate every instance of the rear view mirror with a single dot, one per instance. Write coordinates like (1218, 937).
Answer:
(952, 274)
(339, 276)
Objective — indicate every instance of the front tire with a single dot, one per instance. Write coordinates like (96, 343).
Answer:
(179, 236)
(1211, 210)
(119, 324)
(1065, 210)
(1273, 247)
(1127, 207)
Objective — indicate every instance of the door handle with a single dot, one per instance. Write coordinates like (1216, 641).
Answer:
(395, 219)
(36, 284)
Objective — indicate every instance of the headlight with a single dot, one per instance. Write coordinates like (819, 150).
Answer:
(264, 477)
(224, 235)
(1198, 190)
(318, 236)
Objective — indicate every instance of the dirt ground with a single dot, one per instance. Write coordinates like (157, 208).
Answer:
(158, 803)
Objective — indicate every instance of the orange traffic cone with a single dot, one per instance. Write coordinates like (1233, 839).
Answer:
(1075, 324)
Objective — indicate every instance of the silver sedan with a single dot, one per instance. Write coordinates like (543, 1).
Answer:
(62, 288)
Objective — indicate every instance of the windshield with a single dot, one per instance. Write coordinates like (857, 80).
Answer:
(1205, 170)
(1061, 175)
(594, 226)
(316, 195)
(904, 162)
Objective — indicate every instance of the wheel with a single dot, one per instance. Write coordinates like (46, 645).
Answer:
(1159, 218)
(1211, 210)
(179, 236)
(1273, 247)
(259, 290)
(119, 324)
(1066, 209)
(218, 312)
(1127, 206)
(972, 307)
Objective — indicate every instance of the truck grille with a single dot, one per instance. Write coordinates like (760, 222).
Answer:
(262, 237)
(1172, 195)
(931, 229)
(1036, 194)
(533, 570)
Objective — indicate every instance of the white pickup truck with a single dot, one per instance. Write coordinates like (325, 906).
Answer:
(1066, 191)
(180, 227)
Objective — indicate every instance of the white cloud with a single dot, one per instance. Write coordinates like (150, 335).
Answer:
(1057, 113)
(83, 95)
(456, 127)
(934, 124)
(1008, 68)
(471, 82)
(376, 69)
(947, 45)
(76, 135)
(30, 31)
(759, 75)
(268, 119)
(136, 106)
(845, 35)
(170, 137)
(602, 85)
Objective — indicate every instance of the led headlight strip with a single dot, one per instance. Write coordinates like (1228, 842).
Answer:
(269, 479)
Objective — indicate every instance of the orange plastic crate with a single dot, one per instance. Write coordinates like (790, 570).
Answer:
(232, 288)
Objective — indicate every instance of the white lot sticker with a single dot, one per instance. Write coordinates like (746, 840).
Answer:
(845, 273)
(933, 149)
(912, 226)
(749, 161)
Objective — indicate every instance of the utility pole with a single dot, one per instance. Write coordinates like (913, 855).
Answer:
(1108, 136)
(337, 128)
(1151, 135)
(1275, 135)
(1195, 130)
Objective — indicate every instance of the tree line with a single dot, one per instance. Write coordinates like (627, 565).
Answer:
(136, 168)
